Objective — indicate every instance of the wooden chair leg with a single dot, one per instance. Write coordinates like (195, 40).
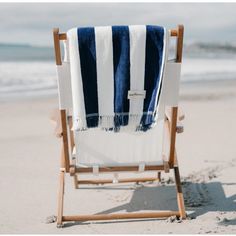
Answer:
(76, 182)
(159, 176)
(60, 199)
(180, 198)
(75, 176)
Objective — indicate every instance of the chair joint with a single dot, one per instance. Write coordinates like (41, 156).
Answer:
(72, 170)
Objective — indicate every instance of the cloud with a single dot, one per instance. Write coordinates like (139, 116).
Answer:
(32, 22)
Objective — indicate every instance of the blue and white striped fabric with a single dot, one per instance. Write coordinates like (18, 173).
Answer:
(116, 76)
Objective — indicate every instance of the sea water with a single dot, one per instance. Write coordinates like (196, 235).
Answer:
(27, 71)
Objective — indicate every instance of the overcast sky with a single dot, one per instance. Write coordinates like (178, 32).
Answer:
(32, 22)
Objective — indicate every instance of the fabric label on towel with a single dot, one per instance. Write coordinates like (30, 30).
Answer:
(136, 94)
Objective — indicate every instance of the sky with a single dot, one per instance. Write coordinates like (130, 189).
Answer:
(32, 23)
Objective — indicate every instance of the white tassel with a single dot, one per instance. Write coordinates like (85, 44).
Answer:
(106, 122)
(79, 124)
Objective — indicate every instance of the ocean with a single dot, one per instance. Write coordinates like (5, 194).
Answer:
(29, 71)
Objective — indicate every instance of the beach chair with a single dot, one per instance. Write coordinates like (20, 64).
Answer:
(166, 158)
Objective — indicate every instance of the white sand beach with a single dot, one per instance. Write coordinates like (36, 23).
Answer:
(29, 168)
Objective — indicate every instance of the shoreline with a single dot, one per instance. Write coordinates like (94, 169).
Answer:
(189, 90)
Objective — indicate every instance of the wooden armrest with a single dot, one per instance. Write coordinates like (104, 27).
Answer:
(179, 126)
(181, 115)
(55, 117)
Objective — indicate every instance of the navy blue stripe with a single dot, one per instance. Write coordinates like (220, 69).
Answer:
(153, 62)
(121, 62)
(87, 52)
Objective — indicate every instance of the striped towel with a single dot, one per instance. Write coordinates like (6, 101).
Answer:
(116, 76)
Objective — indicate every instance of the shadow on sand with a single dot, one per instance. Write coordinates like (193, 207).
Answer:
(200, 198)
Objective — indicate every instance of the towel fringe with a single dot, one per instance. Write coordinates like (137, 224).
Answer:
(116, 123)
(79, 124)
(106, 122)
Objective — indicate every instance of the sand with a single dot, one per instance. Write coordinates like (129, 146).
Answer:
(29, 167)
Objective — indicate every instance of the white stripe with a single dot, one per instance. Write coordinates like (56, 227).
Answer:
(79, 114)
(159, 105)
(105, 77)
(137, 34)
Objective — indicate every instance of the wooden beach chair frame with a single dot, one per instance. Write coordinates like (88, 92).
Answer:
(63, 125)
